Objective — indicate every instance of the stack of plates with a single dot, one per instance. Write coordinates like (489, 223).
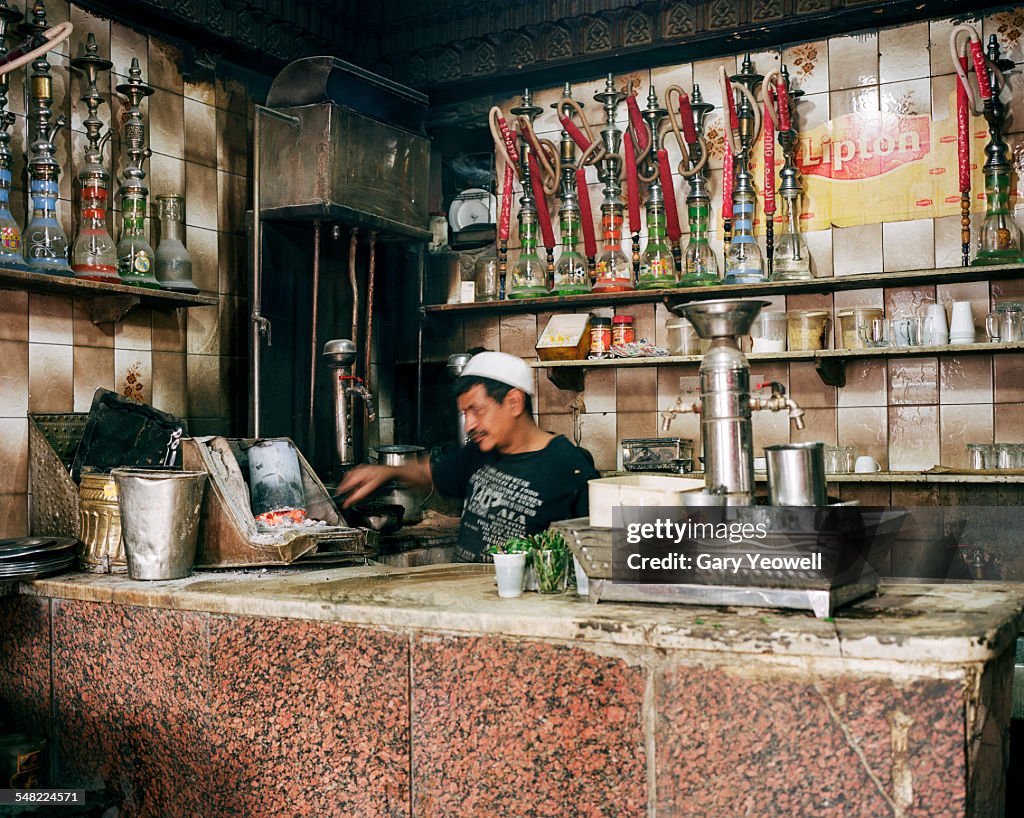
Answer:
(33, 557)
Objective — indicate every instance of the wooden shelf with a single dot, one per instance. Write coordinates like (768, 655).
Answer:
(861, 281)
(110, 302)
(830, 364)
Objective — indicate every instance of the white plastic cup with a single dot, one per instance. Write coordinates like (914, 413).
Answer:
(510, 571)
(866, 464)
(937, 329)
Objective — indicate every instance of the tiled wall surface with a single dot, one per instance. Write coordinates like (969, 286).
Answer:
(909, 413)
(187, 362)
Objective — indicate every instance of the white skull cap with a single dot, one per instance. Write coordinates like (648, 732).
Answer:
(502, 367)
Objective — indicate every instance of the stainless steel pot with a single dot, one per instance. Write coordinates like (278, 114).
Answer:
(410, 499)
(796, 474)
(398, 454)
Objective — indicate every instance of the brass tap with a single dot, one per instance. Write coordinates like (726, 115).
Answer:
(779, 401)
(679, 408)
(360, 391)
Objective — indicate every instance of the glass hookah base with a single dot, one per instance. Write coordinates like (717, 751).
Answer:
(571, 289)
(754, 277)
(149, 283)
(791, 275)
(97, 272)
(527, 292)
(699, 281)
(618, 285)
(53, 267)
(659, 283)
(987, 257)
(13, 261)
(179, 286)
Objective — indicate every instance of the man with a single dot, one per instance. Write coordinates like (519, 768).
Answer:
(513, 477)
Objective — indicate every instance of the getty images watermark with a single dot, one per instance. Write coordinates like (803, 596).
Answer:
(788, 547)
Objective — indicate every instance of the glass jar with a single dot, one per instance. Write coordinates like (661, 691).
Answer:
(768, 332)
(134, 252)
(682, 337)
(485, 277)
(94, 255)
(173, 262)
(600, 337)
(976, 455)
(622, 330)
(852, 321)
(807, 329)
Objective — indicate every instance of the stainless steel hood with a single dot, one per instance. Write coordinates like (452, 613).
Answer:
(357, 155)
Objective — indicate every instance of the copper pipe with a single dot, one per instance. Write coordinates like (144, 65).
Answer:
(313, 354)
(353, 280)
(369, 306)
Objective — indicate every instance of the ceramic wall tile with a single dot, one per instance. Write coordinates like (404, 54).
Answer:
(939, 31)
(866, 429)
(1009, 386)
(232, 272)
(166, 133)
(636, 389)
(232, 143)
(770, 429)
(865, 384)
(135, 330)
(819, 245)
(1009, 422)
(125, 44)
(852, 61)
(165, 62)
(202, 249)
(948, 244)
(908, 245)
(170, 330)
(93, 369)
(960, 425)
(550, 399)
(558, 424)
(232, 202)
(14, 316)
(807, 388)
(808, 66)
(1007, 26)
(133, 374)
(857, 249)
(50, 319)
(913, 381)
(200, 133)
(637, 425)
(166, 175)
(903, 53)
(85, 332)
(600, 438)
(819, 425)
(482, 333)
(14, 454)
(519, 335)
(13, 515)
(908, 98)
(643, 320)
(913, 437)
(967, 379)
(599, 390)
(200, 195)
(50, 378)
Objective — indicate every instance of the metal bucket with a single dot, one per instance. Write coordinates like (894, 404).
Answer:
(411, 499)
(103, 548)
(159, 520)
(796, 474)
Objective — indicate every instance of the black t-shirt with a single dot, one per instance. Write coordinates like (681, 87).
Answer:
(509, 495)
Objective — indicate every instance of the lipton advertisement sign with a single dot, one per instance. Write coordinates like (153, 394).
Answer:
(869, 167)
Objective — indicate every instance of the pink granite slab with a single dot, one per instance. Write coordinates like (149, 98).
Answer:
(310, 719)
(129, 687)
(25, 663)
(525, 729)
(731, 742)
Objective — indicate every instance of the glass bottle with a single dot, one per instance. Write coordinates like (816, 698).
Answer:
(657, 267)
(528, 276)
(46, 243)
(134, 253)
(744, 263)
(173, 262)
(571, 275)
(614, 270)
(701, 264)
(485, 276)
(999, 236)
(94, 255)
(791, 260)
(10, 234)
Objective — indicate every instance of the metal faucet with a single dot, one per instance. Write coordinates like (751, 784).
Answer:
(779, 401)
(360, 390)
(678, 409)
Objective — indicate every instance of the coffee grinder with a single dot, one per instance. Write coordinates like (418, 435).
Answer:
(725, 403)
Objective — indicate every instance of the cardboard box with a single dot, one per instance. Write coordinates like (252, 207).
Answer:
(565, 338)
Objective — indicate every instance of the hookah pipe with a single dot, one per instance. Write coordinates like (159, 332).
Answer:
(508, 158)
(592, 152)
(730, 126)
(35, 46)
(965, 100)
(636, 147)
(693, 151)
(661, 172)
(545, 171)
(776, 118)
(738, 142)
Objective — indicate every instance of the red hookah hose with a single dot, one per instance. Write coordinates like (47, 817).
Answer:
(636, 122)
(543, 215)
(769, 158)
(586, 214)
(632, 185)
(668, 189)
(980, 69)
(506, 203)
(727, 171)
(686, 116)
(963, 148)
(782, 96)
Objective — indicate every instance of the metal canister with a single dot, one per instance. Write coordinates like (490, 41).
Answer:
(100, 516)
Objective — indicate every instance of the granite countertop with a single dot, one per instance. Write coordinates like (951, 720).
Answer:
(947, 624)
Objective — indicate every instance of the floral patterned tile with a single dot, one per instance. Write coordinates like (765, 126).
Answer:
(808, 66)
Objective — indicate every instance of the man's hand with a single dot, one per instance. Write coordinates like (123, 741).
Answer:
(362, 481)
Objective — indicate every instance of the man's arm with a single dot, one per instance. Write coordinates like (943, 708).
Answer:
(362, 481)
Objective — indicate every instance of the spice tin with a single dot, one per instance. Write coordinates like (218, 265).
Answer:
(600, 337)
(622, 330)
(100, 516)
